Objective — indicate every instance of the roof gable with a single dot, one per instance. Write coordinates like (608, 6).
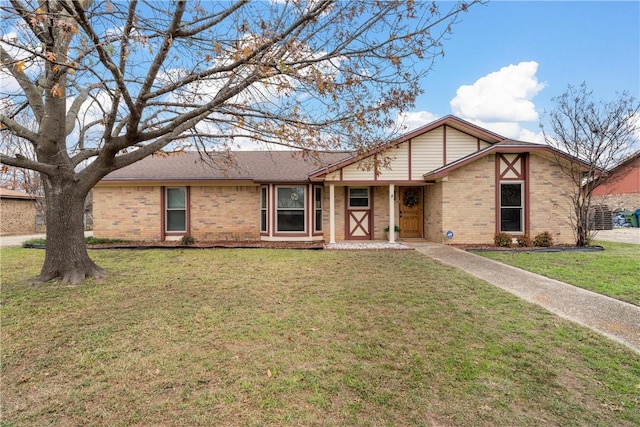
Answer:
(506, 146)
(464, 138)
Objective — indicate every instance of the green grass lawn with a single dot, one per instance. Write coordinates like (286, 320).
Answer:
(614, 272)
(256, 337)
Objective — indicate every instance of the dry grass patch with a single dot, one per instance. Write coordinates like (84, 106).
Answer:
(284, 337)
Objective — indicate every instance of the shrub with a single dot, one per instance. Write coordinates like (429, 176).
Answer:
(187, 240)
(502, 240)
(543, 240)
(524, 241)
(34, 243)
(90, 240)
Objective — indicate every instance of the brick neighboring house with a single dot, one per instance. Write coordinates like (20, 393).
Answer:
(447, 181)
(17, 212)
(621, 190)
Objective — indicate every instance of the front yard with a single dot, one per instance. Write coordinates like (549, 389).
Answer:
(613, 272)
(291, 337)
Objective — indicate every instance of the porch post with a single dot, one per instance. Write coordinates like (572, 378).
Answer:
(332, 213)
(392, 213)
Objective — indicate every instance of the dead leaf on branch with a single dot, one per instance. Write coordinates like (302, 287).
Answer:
(41, 15)
(57, 91)
(20, 66)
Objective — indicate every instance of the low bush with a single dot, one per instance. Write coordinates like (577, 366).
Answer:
(543, 240)
(524, 241)
(187, 240)
(90, 240)
(502, 240)
(34, 242)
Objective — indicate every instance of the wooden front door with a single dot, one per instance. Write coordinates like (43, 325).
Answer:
(411, 208)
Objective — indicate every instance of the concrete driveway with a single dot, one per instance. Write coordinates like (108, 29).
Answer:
(620, 235)
(8, 241)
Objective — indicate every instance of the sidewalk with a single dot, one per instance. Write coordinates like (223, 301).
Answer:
(615, 319)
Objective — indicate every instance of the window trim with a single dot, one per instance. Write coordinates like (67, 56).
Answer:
(264, 209)
(522, 206)
(166, 209)
(368, 206)
(317, 208)
(304, 210)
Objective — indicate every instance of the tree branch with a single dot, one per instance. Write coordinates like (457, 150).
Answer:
(23, 162)
(19, 130)
(31, 91)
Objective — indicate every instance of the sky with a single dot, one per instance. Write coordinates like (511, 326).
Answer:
(506, 60)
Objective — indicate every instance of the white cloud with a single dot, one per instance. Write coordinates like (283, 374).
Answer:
(411, 120)
(502, 100)
(512, 130)
(503, 95)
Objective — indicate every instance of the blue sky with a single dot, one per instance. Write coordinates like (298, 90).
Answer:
(515, 56)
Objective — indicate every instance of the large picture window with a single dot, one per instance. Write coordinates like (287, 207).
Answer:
(264, 217)
(290, 209)
(511, 207)
(176, 209)
(358, 197)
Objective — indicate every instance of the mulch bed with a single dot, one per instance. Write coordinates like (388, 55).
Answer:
(555, 248)
(208, 245)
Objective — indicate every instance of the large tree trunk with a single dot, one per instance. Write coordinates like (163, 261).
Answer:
(66, 253)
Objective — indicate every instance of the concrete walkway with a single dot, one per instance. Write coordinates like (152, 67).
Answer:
(615, 319)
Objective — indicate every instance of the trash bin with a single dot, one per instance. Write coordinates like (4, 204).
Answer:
(631, 218)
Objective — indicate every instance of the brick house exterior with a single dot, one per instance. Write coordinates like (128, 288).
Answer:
(621, 189)
(449, 181)
(17, 212)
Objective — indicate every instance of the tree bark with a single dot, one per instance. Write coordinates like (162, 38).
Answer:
(66, 255)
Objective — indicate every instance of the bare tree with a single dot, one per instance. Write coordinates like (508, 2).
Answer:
(598, 135)
(109, 83)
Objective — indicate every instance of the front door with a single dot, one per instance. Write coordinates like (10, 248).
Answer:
(411, 220)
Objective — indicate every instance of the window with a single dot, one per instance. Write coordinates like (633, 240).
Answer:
(317, 223)
(358, 197)
(290, 209)
(176, 212)
(263, 209)
(511, 207)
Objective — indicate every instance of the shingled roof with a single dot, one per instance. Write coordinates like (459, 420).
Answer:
(5, 193)
(256, 166)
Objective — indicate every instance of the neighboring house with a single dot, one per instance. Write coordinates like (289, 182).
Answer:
(447, 181)
(621, 189)
(17, 212)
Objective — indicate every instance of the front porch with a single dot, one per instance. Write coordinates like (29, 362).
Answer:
(359, 212)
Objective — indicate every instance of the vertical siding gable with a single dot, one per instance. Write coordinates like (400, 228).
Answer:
(411, 159)
(356, 172)
(399, 165)
(459, 144)
(333, 176)
(426, 152)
